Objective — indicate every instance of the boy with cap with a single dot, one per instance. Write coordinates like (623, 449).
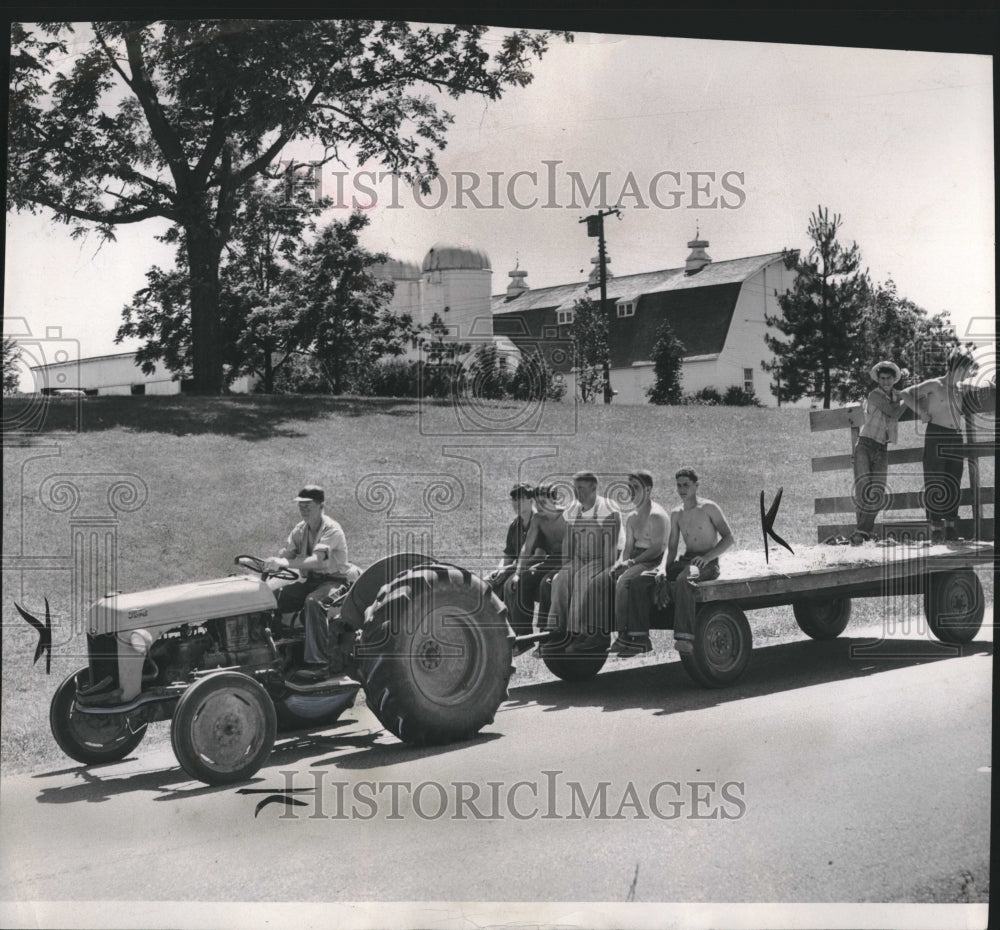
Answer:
(317, 549)
(540, 559)
(521, 496)
(871, 457)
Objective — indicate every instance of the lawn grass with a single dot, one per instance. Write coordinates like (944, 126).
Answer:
(218, 475)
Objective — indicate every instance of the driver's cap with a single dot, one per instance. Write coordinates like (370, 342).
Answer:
(311, 492)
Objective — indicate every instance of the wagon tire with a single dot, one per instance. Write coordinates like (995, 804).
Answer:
(694, 672)
(579, 667)
(223, 728)
(823, 619)
(436, 655)
(954, 605)
(722, 644)
(89, 738)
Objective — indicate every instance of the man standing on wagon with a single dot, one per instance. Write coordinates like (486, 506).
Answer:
(938, 401)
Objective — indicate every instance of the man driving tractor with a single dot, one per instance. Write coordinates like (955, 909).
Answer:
(317, 549)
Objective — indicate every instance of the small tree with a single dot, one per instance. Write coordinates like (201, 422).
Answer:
(439, 365)
(668, 358)
(589, 332)
(535, 380)
(821, 316)
(11, 368)
(345, 305)
(489, 373)
(897, 329)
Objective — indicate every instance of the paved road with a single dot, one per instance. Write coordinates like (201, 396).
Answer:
(820, 777)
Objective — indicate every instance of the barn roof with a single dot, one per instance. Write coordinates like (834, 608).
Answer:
(699, 308)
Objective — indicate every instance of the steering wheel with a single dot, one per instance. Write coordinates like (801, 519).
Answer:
(257, 565)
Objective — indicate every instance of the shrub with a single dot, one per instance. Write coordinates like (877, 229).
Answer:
(706, 397)
(737, 396)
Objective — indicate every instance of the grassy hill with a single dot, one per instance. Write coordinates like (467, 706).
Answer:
(215, 477)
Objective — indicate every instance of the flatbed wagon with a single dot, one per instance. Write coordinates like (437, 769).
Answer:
(820, 582)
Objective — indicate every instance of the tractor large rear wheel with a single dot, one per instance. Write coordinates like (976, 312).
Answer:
(435, 655)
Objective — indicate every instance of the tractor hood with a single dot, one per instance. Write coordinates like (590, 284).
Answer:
(183, 603)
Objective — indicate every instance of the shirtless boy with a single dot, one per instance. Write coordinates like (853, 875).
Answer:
(706, 535)
(938, 401)
(646, 529)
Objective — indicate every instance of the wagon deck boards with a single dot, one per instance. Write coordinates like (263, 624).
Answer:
(845, 571)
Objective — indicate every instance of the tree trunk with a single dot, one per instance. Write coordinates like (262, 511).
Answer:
(204, 248)
(268, 369)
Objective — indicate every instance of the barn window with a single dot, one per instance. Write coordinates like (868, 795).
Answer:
(748, 380)
(564, 317)
(626, 308)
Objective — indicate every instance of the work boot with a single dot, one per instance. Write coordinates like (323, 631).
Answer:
(628, 645)
(587, 644)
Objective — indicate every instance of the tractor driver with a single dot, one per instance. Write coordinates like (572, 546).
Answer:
(317, 549)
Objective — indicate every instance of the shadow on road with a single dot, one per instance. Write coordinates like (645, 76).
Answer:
(94, 787)
(666, 688)
(322, 750)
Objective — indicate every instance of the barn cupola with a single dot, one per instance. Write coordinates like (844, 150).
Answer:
(518, 285)
(698, 258)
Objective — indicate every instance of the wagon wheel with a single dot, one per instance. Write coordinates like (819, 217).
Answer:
(722, 645)
(824, 618)
(954, 605)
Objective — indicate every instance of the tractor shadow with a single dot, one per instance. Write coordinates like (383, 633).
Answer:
(666, 688)
(298, 751)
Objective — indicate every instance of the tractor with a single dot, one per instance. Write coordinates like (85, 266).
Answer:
(428, 642)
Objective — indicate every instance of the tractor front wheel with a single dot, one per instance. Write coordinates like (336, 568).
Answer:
(90, 738)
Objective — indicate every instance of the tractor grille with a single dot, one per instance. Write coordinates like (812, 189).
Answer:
(103, 653)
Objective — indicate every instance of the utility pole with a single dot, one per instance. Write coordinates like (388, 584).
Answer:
(595, 228)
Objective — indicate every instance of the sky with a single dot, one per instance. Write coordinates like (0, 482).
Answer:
(740, 141)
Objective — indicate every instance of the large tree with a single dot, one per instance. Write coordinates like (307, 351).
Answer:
(173, 119)
(821, 316)
(264, 323)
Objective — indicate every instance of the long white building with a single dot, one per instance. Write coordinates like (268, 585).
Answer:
(110, 374)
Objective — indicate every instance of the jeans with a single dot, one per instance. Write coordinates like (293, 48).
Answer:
(871, 465)
(943, 464)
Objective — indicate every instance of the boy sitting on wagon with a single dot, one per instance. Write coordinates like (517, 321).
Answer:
(707, 535)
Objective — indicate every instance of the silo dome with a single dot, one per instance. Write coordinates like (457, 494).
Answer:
(446, 256)
(394, 270)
